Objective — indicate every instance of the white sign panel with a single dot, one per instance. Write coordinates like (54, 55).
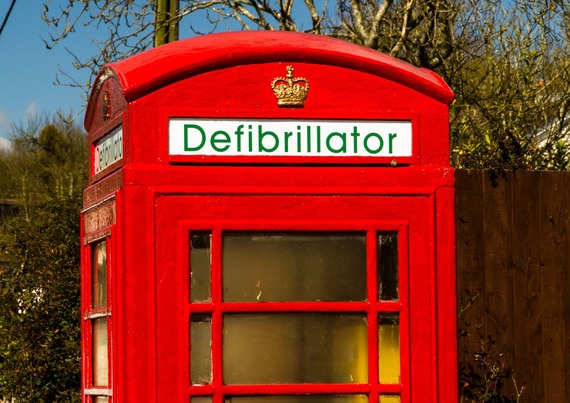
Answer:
(108, 150)
(290, 138)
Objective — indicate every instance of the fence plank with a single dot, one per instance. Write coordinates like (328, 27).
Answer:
(554, 193)
(527, 282)
(499, 299)
(470, 251)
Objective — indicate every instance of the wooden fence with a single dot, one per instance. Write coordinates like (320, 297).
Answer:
(513, 248)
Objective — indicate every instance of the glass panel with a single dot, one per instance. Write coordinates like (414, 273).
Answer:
(388, 266)
(100, 399)
(299, 399)
(100, 353)
(200, 349)
(389, 348)
(282, 348)
(200, 263)
(99, 274)
(201, 399)
(389, 399)
(287, 266)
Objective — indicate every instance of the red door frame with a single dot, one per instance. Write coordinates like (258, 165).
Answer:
(177, 215)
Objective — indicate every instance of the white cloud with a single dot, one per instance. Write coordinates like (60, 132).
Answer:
(4, 130)
(32, 110)
(5, 144)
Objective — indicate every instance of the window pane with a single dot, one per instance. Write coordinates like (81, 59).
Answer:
(200, 263)
(201, 399)
(299, 399)
(389, 348)
(200, 349)
(295, 348)
(389, 399)
(287, 266)
(99, 274)
(100, 352)
(100, 399)
(388, 266)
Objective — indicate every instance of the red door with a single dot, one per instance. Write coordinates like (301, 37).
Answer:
(295, 298)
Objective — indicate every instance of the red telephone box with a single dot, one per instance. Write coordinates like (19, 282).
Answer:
(269, 218)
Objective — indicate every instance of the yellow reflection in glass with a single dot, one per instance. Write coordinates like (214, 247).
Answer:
(389, 348)
(287, 348)
(201, 399)
(390, 399)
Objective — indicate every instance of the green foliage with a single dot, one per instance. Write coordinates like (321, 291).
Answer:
(39, 306)
(47, 160)
(39, 265)
(510, 72)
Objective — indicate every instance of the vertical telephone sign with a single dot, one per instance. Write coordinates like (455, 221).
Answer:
(108, 150)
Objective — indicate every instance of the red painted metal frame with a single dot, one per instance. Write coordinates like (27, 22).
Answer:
(173, 226)
(227, 76)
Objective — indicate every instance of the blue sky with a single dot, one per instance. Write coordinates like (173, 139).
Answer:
(28, 69)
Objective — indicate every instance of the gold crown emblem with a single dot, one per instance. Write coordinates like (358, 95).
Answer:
(290, 91)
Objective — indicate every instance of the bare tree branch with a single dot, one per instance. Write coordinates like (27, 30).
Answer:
(375, 26)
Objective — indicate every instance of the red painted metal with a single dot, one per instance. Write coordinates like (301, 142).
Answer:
(304, 213)
(160, 197)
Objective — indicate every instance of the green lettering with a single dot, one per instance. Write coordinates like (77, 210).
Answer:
(187, 128)
(287, 136)
(342, 148)
(391, 138)
(220, 137)
(239, 133)
(262, 135)
(380, 143)
(250, 135)
(355, 135)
